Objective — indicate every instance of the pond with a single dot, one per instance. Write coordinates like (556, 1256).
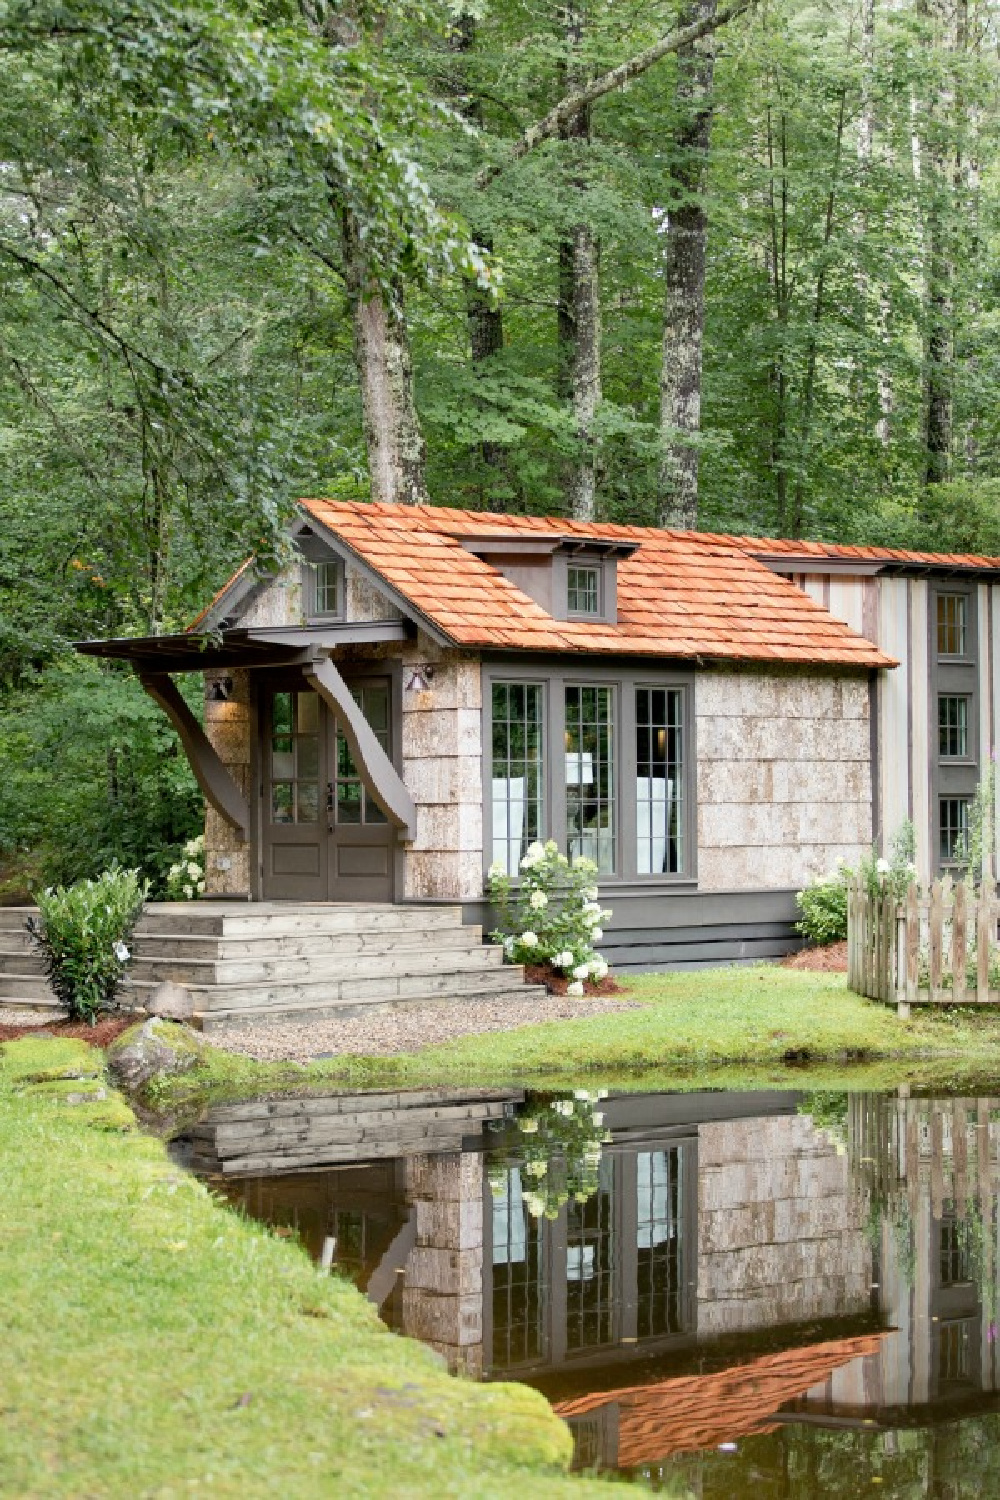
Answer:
(788, 1293)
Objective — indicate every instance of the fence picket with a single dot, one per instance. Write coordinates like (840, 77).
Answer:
(936, 939)
(912, 945)
(985, 921)
(959, 957)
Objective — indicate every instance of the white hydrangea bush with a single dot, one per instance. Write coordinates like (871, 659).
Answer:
(552, 915)
(186, 878)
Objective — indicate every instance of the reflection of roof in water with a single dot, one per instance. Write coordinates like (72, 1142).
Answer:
(702, 1411)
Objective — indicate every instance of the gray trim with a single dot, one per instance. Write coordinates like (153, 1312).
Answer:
(553, 677)
(874, 772)
(327, 632)
(314, 615)
(211, 775)
(958, 676)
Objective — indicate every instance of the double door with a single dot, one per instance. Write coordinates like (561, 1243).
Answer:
(324, 836)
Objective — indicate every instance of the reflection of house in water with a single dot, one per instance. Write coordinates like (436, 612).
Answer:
(690, 1270)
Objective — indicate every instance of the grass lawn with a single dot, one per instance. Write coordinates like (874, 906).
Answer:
(153, 1344)
(727, 1027)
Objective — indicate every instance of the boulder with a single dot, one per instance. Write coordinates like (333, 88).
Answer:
(174, 1002)
(154, 1047)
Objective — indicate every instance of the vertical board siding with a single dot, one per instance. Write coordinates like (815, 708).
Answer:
(919, 730)
(847, 602)
(893, 694)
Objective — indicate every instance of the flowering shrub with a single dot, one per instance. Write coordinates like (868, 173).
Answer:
(823, 903)
(186, 879)
(83, 933)
(556, 1148)
(553, 917)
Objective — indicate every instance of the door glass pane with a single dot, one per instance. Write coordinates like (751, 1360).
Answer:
(659, 788)
(354, 805)
(294, 771)
(308, 802)
(590, 788)
(518, 773)
(349, 802)
(281, 713)
(282, 802)
(306, 713)
(308, 757)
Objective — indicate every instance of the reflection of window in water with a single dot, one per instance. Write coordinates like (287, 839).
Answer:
(954, 1350)
(590, 1263)
(954, 1250)
(350, 1231)
(659, 1280)
(518, 1282)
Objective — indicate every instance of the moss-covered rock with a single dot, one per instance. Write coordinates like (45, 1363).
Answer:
(153, 1049)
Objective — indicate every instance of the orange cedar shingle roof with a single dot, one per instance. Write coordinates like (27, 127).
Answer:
(682, 594)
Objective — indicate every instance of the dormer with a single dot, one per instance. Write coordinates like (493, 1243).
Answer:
(572, 578)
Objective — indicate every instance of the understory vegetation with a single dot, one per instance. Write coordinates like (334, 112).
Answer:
(155, 1343)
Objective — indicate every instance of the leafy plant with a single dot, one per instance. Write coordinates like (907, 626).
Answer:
(83, 933)
(186, 878)
(823, 903)
(556, 1148)
(552, 916)
(975, 848)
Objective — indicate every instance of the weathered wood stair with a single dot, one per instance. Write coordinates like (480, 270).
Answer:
(268, 961)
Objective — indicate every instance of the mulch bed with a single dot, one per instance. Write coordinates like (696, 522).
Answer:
(829, 960)
(558, 984)
(101, 1035)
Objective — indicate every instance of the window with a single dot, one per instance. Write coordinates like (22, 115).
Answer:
(590, 1265)
(659, 785)
(590, 779)
(326, 588)
(953, 828)
(583, 591)
(295, 757)
(518, 773)
(953, 726)
(659, 1278)
(354, 803)
(952, 624)
(519, 1291)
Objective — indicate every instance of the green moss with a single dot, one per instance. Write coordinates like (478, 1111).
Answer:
(32, 1060)
(157, 1344)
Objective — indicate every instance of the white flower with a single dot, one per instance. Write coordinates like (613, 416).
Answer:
(188, 893)
(194, 870)
(194, 846)
(175, 871)
(535, 850)
(581, 971)
(563, 960)
(551, 847)
(529, 939)
(538, 900)
(495, 869)
(883, 867)
(596, 934)
(563, 1107)
(574, 989)
(121, 953)
(508, 946)
(201, 888)
(591, 893)
(591, 905)
(528, 1127)
(598, 969)
(911, 868)
(597, 1118)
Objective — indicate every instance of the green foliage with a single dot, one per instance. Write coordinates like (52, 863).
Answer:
(977, 848)
(552, 916)
(823, 903)
(186, 877)
(555, 1146)
(83, 932)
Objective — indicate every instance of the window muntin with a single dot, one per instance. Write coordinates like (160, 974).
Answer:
(953, 726)
(354, 803)
(327, 588)
(518, 770)
(590, 775)
(294, 768)
(583, 590)
(659, 783)
(952, 624)
(953, 828)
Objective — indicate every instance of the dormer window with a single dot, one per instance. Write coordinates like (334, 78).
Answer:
(327, 589)
(583, 590)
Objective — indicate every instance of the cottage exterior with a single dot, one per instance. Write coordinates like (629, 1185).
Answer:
(422, 692)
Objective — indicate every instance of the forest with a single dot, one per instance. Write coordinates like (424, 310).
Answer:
(726, 266)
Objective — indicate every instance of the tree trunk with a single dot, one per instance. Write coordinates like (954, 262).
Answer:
(938, 279)
(395, 444)
(866, 151)
(684, 277)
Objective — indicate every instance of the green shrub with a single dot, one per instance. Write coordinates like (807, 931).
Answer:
(553, 917)
(823, 905)
(83, 933)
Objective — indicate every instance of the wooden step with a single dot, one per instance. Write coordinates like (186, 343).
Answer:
(216, 1020)
(185, 946)
(199, 972)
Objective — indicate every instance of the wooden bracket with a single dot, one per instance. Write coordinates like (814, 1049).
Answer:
(377, 770)
(211, 775)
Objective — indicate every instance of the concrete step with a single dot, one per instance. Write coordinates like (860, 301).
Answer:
(220, 1020)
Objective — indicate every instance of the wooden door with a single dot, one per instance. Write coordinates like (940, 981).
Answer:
(324, 836)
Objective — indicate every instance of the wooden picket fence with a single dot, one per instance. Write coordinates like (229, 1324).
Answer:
(932, 948)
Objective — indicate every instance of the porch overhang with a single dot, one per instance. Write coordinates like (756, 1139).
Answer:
(197, 651)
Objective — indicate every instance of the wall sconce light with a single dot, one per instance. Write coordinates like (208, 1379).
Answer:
(420, 679)
(220, 690)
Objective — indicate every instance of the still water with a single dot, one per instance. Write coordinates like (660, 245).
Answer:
(784, 1294)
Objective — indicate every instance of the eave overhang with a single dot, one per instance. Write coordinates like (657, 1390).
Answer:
(195, 651)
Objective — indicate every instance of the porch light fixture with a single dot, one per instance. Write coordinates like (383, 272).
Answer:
(420, 679)
(220, 690)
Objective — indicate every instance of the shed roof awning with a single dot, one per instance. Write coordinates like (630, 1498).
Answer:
(195, 651)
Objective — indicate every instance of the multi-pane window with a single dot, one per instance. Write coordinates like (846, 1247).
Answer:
(590, 1265)
(659, 1279)
(519, 1292)
(953, 726)
(354, 802)
(326, 588)
(954, 1350)
(590, 778)
(952, 624)
(953, 826)
(659, 784)
(294, 770)
(518, 774)
(583, 591)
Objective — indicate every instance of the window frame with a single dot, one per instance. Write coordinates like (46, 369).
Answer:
(594, 568)
(313, 613)
(554, 676)
(952, 676)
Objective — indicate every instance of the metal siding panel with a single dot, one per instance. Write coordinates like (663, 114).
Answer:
(893, 768)
(920, 763)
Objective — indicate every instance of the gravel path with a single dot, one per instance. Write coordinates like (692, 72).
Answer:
(407, 1029)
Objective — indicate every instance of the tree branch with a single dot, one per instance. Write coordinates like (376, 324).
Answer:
(615, 78)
